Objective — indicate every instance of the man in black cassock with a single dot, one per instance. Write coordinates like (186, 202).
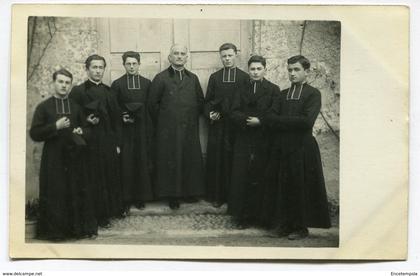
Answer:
(299, 192)
(251, 148)
(104, 117)
(175, 103)
(221, 87)
(65, 207)
(131, 91)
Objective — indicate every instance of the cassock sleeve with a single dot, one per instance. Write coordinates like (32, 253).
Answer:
(114, 114)
(75, 95)
(149, 131)
(115, 90)
(200, 95)
(154, 98)
(306, 120)
(274, 107)
(210, 97)
(41, 130)
(82, 123)
(237, 116)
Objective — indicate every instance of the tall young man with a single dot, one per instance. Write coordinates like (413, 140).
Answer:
(251, 148)
(175, 102)
(104, 118)
(221, 87)
(65, 209)
(300, 200)
(131, 91)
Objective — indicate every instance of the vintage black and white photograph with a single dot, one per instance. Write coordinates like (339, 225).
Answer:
(204, 132)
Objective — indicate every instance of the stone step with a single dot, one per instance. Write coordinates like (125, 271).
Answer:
(192, 224)
(162, 208)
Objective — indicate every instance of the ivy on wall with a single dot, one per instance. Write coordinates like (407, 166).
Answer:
(317, 74)
(33, 33)
(317, 40)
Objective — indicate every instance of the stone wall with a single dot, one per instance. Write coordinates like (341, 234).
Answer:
(68, 41)
(52, 42)
(319, 41)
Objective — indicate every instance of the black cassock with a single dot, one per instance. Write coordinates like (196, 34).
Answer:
(104, 138)
(131, 93)
(297, 182)
(175, 103)
(251, 150)
(65, 206)
(221, 87)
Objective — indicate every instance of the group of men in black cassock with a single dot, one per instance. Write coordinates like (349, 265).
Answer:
(110, 148)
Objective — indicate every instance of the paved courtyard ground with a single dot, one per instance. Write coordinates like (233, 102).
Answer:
(193, 224)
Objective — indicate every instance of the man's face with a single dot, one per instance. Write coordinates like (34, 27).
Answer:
(62, 85)
(178, 56)
(96, 70)
(256, 71)
(296, 72)
(228, 58)
(131, 66)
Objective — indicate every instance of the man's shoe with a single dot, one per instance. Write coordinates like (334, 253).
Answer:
(126, 211)
(190, 199)
(140, 205)
(173, 204)
(298, 234)
(282, 232)
(217, 204)
(105, 224)
(90, 236)
(241, 224)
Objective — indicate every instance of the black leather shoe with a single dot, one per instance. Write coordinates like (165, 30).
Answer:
(217, 204)
(104, 224)
(298, 234)
(126, 211)
(173, 204)
(283, 231)
(241, 224)
(190, 199)
(140, 205)
(90, 236)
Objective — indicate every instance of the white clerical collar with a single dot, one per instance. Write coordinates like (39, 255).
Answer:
(295, 94)
(61, 98)
(299, 83)
(135, 74)
(179, 70)
(62, 105)
(95, 82)
(255, 83)
(229, 74)
(133, 81)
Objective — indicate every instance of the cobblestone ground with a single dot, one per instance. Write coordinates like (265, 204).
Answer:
(194, 224)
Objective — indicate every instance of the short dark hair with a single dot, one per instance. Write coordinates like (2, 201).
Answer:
(301, 59)
(130, 54)
(94, 57)
(63, 72)
(227, 46)
(257, 58)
